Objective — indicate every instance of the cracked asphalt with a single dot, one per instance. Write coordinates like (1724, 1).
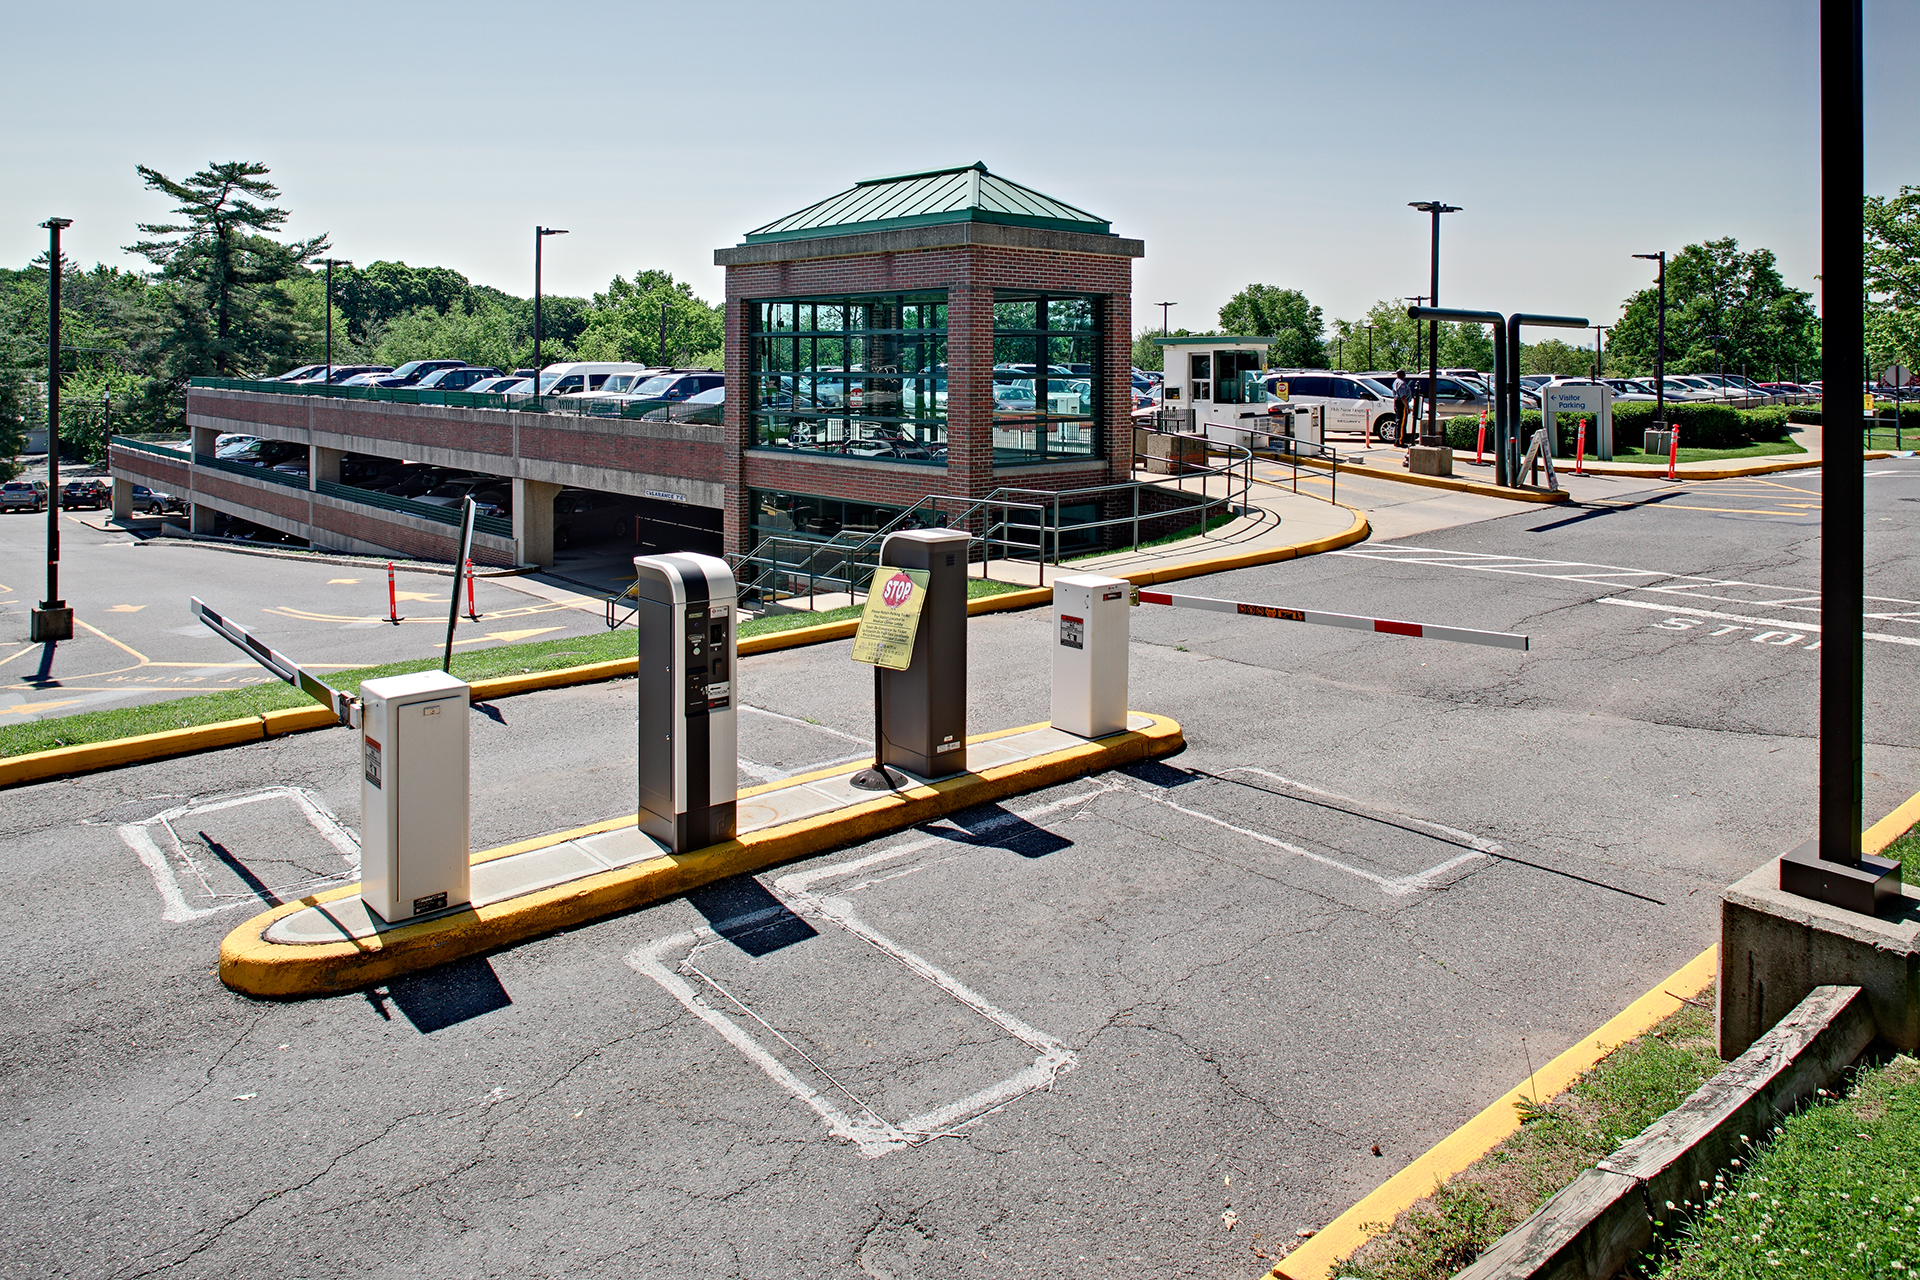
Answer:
(1160, 1018)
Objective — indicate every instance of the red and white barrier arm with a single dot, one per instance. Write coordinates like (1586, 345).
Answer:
(1351, 621)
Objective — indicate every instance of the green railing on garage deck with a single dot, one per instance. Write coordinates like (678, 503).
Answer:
(498, 526)
(652, 409)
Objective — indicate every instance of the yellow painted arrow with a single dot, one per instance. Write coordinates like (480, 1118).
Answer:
(126, 608)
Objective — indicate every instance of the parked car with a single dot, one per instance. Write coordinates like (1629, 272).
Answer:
(1352, 403)
(667, 389)
(581, 515)
(494, 386)
(85, 493)
(410, 373)
(706, 408)
(304, 371)
(23, 495)
(154, 502)
(341, 372)
(582, 375)
(460, 379)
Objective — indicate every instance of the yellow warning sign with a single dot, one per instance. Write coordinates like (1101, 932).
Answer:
(891, 619)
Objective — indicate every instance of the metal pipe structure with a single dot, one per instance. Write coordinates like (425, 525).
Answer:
(330, 264)
(1512, 393)
(1500, 424)
(1432, 434)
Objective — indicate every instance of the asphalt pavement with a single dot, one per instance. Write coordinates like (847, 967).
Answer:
(135, 641)
(1386, 877)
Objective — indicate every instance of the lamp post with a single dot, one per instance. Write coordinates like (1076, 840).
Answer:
(1368, 326)
(1431, 436)
(1599, 349)
(1659, 344)
(53, 620)
(1163, 315)
(1419, 299)
(540, 235)
(1720, 358)
(331, 263)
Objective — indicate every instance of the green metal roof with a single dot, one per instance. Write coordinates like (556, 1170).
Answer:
(964, 193)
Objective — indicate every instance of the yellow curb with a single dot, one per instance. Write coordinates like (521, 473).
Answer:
(1317, 1258)
(1443, 482)
(60, 762)
(253, 966)
(1892, 827)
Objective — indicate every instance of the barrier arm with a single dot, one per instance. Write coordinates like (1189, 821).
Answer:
(343, 705)
(1350, 621)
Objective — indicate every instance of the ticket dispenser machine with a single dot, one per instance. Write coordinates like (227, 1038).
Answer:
(414, 754)
(689, 747)
(1090, 619)
(923, 710)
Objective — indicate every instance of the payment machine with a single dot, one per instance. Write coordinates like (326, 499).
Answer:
(1090, 654)
(414, 753)
(686, 615)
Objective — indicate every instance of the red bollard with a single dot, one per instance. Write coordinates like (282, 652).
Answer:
(393, 601)
(471, 612)
(1480, 445)
(1673, 452)
(1580, 449)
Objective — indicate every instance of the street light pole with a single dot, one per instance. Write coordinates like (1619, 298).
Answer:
(53, 620)
(540, 234)
(1432, 435)
(331, 263)
(1720, 358)
(1599, 350)
(1368, 326)
(1163, 315)
(1659, 344)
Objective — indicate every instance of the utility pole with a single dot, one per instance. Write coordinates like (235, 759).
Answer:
(540, 235)
(1163, 315)
(1599, 350)
(1659, 344)
(53, 620)
(1431, 437)
(330, 264)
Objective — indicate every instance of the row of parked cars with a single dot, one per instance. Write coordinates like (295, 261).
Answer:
(601, 387)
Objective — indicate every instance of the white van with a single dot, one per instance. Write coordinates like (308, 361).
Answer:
(1353, 403)
(582, 375)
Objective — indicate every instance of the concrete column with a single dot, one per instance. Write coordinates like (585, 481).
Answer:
(533, 520)
(203, 440)
(122, 498)
(323, 464)
(200, 517)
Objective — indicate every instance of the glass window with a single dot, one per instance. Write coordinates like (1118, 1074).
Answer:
(1046, 379)
(859, 377)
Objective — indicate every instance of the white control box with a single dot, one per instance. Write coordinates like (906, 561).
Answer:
(1090, 654)
(414, 756)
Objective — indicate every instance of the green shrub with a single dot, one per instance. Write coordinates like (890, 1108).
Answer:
(1702, 426)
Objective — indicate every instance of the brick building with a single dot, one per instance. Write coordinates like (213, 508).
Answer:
(947, 332)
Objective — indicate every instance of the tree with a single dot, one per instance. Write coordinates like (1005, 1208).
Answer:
(1762, 323)
(225, 270)
(1297, 327)
(1893, 278)
(1558, 357)
(1400, 343)
(625, 322)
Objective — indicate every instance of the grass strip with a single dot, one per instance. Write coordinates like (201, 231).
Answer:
(1765, 449)
(1619, 1096)
(1834, 1192)
(1179, 535)
(468, 664)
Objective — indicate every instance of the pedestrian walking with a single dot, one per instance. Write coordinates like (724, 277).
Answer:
(1401, 394)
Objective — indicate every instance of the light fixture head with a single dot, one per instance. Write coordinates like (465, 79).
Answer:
(551, 231)
(1432, 206)
(1650, 257)
(57, 224)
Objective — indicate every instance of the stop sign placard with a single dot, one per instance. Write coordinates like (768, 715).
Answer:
(897, 589)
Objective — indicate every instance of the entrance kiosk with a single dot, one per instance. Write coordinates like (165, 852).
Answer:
(1222, 382)
(1090, 654)
(923, 709)
(414, 798)
(689, 745)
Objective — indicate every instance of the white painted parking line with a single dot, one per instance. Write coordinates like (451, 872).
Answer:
(833, 1102)
(167, 868)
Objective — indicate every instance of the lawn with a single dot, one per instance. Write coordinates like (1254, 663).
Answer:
(475, 664)
(1765, 449)
(1626, 1091)
(1834, 1192)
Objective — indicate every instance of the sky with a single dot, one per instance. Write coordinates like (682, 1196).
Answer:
(1243, 142)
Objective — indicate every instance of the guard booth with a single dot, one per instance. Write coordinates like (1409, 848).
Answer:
(1221, 382)
(1590, 400)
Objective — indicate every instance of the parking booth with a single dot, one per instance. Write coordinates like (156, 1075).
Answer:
(685, 612)
(1222, 382)
(415, 757)
(1090, 637)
